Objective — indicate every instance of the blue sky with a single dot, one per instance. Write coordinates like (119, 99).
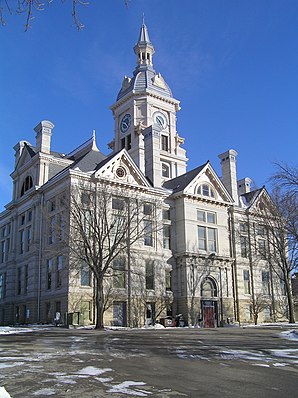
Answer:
(232, 64)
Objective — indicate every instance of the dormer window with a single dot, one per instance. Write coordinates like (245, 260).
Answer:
(27, 184)
(206, 190)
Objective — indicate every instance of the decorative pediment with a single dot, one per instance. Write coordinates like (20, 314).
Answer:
(121, 168)
(208, 186)
(25, 157)
(257, 200)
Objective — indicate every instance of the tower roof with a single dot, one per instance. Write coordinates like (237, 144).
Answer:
(144, 35)
(144, 76)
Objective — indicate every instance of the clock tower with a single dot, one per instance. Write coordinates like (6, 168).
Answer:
(145, 119)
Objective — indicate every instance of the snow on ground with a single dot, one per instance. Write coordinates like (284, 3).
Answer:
(124, 388)
(290, 334)
(4, 393)
(18, 329)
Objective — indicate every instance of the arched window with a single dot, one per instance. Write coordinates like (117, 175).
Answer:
(27, 184)
(165, 170)
(206, 190)
(208, 288)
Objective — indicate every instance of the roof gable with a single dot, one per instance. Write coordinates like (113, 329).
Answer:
(120, 167)
(26, 156)
(190, 182)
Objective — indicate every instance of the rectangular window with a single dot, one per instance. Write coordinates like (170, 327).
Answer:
(128, 146)
(85, 275)
(267, 313)
(202, 238)
(148, 233)
(206, 216)
(244, 246)
(49, 273)
(19, 280)
(86, 310)
(168, 280)
(119, 273)
(207, 239)
(166, 214)
(211, 239)
(22, 241)
(211, 218)
(166, 237)
(243, 227)
(26, 279)
(28, 237)
(148, 209)
(117, 204)
(265, 282)
(246, 282)
(261, 230)
(2, 285)
(248, 312)
(165, 143)
(2, 258)
(201, 215)
(122, 143)
(51, 238)
(59, 271)
(149, 275)
(262, 248)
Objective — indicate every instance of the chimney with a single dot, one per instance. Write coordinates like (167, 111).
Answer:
(229, 172)
(43, 136)
(244, 185)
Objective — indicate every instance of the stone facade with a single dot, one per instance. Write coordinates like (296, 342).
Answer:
(200, 262)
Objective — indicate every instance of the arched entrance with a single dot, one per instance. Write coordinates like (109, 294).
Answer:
(209, 303)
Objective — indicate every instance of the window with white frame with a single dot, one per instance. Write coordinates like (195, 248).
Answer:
(166, 237)
(246, 279)
(165, 170)
(119, 276)
(206, 190)
(85, 275)
(149, 275)
(206, 216)
(207, 238)
(265, 282)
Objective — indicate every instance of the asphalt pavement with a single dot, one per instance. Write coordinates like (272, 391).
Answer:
(177, 362)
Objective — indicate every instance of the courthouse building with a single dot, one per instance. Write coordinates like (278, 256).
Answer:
(200, 264)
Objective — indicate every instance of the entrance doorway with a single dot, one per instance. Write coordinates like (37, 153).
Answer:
(209, 305)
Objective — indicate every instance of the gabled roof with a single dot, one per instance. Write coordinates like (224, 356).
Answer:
(179, 183)
(249, 198)
(89, 161)
(108, 169)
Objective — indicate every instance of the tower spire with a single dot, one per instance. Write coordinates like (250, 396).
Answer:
(144, 49)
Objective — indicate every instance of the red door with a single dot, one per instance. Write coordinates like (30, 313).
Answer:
(208, 317)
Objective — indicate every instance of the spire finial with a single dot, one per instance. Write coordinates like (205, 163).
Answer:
(143, 18)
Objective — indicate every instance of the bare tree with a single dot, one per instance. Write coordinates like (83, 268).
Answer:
(105, 223)
(259, 303)
(29, 7)
(286, 178)
(279, 220)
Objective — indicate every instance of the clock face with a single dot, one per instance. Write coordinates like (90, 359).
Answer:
(160, 120)
(125, 123)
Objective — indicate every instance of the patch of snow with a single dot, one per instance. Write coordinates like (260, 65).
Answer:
(4, 393)
(291, 353)
(104, 379)
(264, 365)
(290, 334)
(4, 330)
(12, 365)
(45, 391)
(241, 354)
(156, 326)
(280, 364)
(124, 388)
(92, 371)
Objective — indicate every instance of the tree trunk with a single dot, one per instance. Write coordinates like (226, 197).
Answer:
(99, 302)
(290, 301)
